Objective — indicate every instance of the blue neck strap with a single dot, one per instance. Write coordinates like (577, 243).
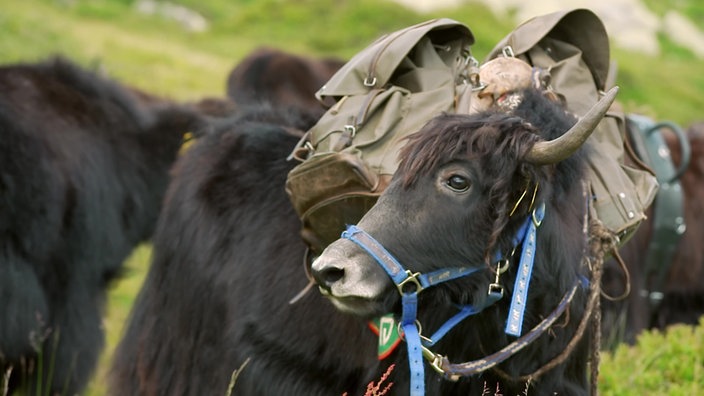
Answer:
(409, 284)
(514, 322)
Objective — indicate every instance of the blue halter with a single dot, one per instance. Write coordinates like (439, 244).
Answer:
(409, 284)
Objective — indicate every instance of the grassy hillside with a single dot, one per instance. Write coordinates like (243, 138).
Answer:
(160, 55)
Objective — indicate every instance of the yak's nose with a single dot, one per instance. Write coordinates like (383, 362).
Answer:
(326, 273)
(344, 270)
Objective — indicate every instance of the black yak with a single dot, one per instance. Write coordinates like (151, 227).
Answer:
(227, 259)
(214, 314)
(281, 78)
(84, 166)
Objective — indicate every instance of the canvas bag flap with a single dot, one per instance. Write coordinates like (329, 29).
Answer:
(574, 46)
(371, 67)
(349, 155)
(580, 27)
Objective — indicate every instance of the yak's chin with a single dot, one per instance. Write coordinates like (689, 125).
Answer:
(358, 306)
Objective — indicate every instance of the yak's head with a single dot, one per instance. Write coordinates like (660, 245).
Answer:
(464, 186)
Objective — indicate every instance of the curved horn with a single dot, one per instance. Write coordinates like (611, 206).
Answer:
(556, 150)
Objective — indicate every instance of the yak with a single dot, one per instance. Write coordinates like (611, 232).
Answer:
(281, 78)
(216, 314)
(227, 259)
(84, 166)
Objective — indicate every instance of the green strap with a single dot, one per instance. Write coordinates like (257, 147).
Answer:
(668, 207)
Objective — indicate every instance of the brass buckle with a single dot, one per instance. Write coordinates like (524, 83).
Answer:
(434, 359)
(496, 288)
(411, 278)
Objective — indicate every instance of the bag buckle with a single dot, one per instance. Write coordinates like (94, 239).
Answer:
(507, 51)
(350, 131)
(303, 149)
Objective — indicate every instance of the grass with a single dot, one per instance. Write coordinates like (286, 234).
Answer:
(661, 363)
(159, 55)
(121, 297)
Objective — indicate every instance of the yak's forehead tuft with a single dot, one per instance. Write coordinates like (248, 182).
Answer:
(452, 136)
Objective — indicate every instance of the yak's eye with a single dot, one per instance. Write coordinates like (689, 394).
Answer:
(458, 183)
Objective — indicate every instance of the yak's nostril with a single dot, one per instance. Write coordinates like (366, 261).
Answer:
(330, 275)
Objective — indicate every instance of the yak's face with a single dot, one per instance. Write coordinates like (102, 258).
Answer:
(437, 213)
(437, 222)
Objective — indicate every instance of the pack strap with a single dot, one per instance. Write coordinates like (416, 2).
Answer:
(668, 207)
(514, 323)
(458, 370)
(410, 284)
(401, 277)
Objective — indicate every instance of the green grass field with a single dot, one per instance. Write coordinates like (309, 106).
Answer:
(161, 56)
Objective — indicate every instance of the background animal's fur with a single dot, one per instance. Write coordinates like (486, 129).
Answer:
(83, 169)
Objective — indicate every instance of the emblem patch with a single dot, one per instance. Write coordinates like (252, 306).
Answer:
(386, 327)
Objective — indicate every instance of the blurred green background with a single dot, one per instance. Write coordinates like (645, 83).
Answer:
(163, 48)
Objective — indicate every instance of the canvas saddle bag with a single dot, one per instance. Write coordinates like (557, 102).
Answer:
(384, 93)
(402, 80)
(573, 47)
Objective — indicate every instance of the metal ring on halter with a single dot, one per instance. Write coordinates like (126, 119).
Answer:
(420, 332)
(502, 268)
(537, 222)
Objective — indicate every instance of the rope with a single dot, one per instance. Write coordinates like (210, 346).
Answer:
(307, 260)
(601, 241)
(627, 279)
(559, 359)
